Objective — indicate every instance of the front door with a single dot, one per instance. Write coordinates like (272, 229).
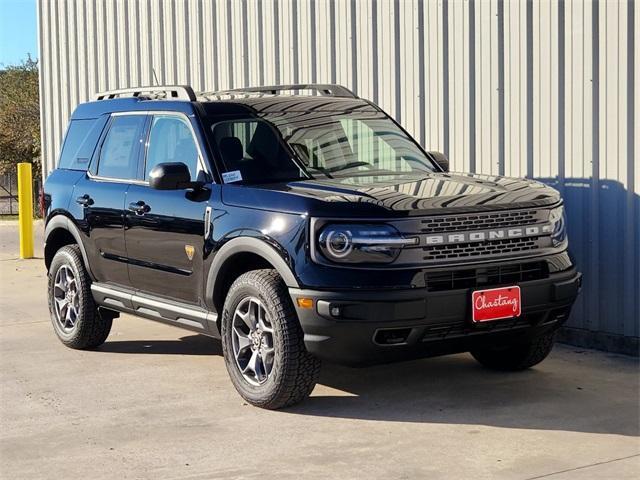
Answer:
(165, 228)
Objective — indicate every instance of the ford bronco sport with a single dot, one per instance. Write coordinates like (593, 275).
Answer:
(296, 228)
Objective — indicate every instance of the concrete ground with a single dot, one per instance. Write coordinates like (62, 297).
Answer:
(155, 402)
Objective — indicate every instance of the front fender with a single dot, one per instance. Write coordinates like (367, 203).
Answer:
(247, 245)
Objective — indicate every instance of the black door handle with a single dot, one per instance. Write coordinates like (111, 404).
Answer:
(85, 200)
(139, 207)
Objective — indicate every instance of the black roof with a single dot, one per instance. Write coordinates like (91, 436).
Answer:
(289, 103)
(269, 99)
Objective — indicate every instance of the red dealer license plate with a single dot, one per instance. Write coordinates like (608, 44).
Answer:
(495, 304)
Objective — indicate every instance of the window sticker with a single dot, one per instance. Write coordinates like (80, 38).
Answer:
(230, 177)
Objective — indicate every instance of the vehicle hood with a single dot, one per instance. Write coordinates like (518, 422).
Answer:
(427, 192)
(393, 195)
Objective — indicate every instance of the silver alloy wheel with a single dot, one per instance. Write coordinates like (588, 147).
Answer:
(66, 299)
(252, 339)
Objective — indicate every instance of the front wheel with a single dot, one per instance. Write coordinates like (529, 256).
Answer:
(263, 345)
(516, 357)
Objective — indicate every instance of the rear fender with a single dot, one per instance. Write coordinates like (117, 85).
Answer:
(65, 223)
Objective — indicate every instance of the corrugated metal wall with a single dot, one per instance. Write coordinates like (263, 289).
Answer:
(543, 89)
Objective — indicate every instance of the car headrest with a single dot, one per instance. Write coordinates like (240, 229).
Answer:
(264, 145)
(231, 149)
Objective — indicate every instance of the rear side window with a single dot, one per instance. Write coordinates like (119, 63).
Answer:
(119, 152)
(80, 143)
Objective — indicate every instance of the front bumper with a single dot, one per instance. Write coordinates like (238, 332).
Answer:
(364, 327)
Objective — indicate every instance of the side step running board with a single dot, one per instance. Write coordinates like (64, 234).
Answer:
(172, 313)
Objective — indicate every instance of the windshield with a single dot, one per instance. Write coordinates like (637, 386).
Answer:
(325, 144)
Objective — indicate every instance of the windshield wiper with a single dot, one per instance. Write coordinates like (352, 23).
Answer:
(322, 170)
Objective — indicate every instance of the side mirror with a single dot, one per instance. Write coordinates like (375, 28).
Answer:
(441, 159)
(171, 176)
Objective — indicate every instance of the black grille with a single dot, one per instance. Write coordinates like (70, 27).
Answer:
(479, 221)
(488, 247)
(453, 330)
(486, 276)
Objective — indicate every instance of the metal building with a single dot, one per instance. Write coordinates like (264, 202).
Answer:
(543, 89)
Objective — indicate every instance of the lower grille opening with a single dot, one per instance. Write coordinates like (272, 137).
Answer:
(395, 336)
(486, 276)
(452, 330)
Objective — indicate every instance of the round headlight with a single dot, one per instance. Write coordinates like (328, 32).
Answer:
(338, 243)
(361, 243)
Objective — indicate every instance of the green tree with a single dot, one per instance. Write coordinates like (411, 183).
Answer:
(19, 116)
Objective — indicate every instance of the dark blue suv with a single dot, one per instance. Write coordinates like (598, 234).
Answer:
(296, 227)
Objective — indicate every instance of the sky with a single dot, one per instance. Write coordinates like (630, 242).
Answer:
(18, 31)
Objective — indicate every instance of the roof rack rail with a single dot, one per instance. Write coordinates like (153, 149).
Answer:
(167, 92)
(329, 90)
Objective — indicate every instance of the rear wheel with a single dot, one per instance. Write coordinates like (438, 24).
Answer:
(516, 357)
(76, 318)
(263, 343)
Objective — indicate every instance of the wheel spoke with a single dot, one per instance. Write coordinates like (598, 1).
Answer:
(72, 315)
(67, 315)
(63, 310)
(254, 313)
(251, 365)
(262, 321)
(246, 318)
(243, 340)
(64, 278)
(61, 283)
(60, 302)
(261, 372)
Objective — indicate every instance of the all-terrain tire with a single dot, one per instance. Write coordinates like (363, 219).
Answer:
(516, 357)
(91, 328)
(295, 371)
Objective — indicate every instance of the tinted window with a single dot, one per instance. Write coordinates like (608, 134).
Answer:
(254, 148)
(78, 133)
(171, 140)
(337, 144)
(119, 153)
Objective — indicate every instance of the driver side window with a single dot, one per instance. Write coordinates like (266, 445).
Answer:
(171, 140)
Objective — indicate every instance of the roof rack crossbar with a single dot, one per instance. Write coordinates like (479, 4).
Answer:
(169, 92)
(330, 90)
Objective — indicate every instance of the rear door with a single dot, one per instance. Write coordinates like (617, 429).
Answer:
(99, 197)
(165, 228)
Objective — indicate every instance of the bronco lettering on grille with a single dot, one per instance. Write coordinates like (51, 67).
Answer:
(494, 234)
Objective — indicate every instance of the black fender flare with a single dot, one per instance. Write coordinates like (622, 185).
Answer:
(247, 245)
(65, 223)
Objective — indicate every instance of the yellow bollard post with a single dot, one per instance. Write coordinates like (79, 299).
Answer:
(25, 210)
